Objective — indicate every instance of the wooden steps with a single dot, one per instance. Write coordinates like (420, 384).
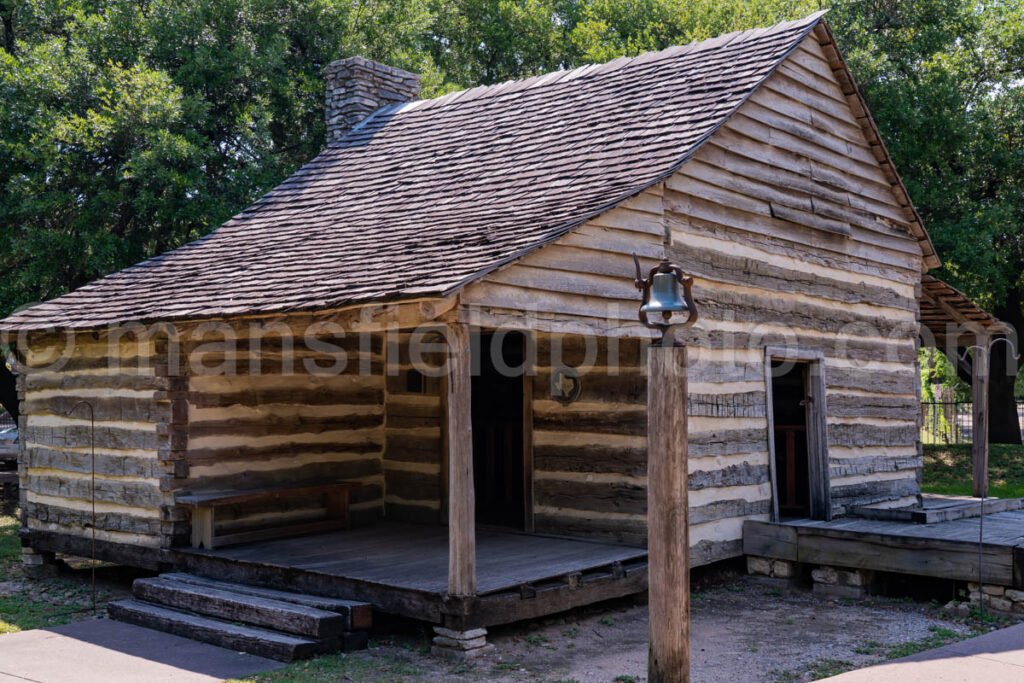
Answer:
(937, 509)
(261, 621)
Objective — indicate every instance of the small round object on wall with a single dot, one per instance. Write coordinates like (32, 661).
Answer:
(566, 386)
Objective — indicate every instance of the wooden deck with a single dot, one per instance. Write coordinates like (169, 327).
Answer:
(947, 550)
(939, 508)
(403, 569)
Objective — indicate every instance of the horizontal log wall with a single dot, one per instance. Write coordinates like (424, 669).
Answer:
(125, 383)
(413, 452)
(590, 457)
(796, 237)
(279, 409)
(583, 281)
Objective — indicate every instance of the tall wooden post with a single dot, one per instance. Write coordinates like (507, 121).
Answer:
(668, 536)
(461, 498)
(979, 431)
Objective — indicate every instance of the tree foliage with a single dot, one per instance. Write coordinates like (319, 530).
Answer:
(131, 126)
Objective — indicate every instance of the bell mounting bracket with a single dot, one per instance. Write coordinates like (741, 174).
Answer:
(644, 285)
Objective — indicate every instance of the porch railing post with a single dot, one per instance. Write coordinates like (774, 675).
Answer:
(979, 429)
(461, 498)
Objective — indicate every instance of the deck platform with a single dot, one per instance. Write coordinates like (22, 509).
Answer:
(939, 508)
(948, 550)
(402, 569)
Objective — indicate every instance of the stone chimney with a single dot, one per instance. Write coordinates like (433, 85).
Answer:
(357, 87)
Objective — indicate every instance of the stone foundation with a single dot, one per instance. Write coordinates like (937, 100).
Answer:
(37, 564)
(829, 582)
(846, 584)
(460, 644)
(996, 598)
(778, 569)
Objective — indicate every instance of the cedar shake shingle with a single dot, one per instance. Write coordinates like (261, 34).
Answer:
(424, 197)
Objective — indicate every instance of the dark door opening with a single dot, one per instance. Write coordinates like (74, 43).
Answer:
(792, 462)
(497, 405)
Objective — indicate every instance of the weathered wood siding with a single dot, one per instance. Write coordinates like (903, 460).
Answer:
(125, 383)
(413, 452)
(582, 282)
(795, 235)
(797, 238)
(267, 409)
(590, 457)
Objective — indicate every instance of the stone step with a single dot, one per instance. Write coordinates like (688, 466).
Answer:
(228, 605)
(256, 641)
(359, 615)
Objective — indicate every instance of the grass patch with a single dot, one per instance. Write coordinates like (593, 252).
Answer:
(938, 637)
(947, 470)
(10, 545)
(26, 604)
(345, 667)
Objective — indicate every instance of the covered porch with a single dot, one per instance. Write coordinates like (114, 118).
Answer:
(403, 569)
(458, 513)
(953, 324)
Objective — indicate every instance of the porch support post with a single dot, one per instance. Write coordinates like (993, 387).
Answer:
(668, 536)
(979, 431)
(461, 498)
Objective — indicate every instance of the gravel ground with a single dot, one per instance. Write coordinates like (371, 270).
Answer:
(749, 630)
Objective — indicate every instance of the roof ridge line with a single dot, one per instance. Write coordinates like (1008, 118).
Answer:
(551, 78)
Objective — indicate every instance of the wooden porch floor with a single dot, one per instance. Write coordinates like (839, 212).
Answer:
(403, 569)
(948, 549)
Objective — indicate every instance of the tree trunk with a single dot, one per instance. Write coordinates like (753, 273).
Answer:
(7, 17)
(1004, 425)
(8, 390)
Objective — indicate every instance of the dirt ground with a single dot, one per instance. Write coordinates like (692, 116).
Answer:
(749, 630)
(745, 629)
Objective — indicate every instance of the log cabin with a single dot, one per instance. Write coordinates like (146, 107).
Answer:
(412, 374)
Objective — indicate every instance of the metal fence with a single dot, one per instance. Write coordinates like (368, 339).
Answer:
(952, 422)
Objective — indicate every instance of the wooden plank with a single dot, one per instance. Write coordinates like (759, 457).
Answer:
(905, 555)
(210, 498)
(1018, 567)
(278, 531)
(223, 603)
(817, 440)
(769, 539)
(667, 521)
(770, 413)
(82, 546)
(461, 497)
(528, 449)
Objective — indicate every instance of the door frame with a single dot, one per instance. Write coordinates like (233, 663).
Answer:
(813, 361)
(529, 371)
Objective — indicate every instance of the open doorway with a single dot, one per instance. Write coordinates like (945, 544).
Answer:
(792, 466)
(798, 452)
(499, 471)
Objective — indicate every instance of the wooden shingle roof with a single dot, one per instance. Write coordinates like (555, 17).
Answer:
(949, 315)
(424, 197)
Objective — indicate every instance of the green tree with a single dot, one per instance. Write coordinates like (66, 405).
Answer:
(130, 128)
(945, 81)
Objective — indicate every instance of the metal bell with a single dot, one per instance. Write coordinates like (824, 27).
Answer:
(665, 297)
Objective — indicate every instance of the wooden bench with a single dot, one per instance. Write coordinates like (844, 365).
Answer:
(204, 507)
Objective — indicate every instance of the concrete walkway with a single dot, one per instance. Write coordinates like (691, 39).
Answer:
(105, 651)
(992, 658)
